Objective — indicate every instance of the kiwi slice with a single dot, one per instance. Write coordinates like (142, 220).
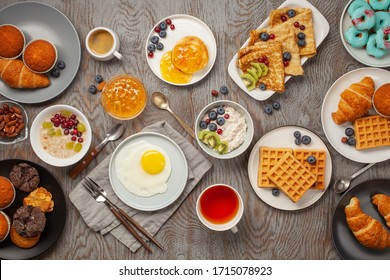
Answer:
(212, 139)
(264, 69)
(253, 72)
(248, 80)
(258, 68)
(202, 135)
(222, 148)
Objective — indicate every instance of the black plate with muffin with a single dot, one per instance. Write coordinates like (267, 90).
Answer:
(27, 176)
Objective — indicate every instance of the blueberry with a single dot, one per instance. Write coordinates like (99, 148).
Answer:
(262, 87)
(220, 121)
(298, 141)
(92, 89)
(160, 46)
(276, 105)
(151, 47)
(351, 141)
(163, 26)
(301, 35)
(99, 79)
(301, 42)
(275, 192)
(224, 90)
(213, 115)
(349, 131)
(297, 134)
(287, 56)
(264, 36)
(306, 140)
(154, 40)
(291, 13)
(55, 72)
(61, 65)
(203, 125)
(220, 110)
(212, 127)
(311, 159)
(163, 33)
(268, 109)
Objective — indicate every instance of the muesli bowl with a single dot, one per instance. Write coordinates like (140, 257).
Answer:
(60, 135)
(228, 134)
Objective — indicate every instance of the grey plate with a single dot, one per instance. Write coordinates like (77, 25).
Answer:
(41, 21)
(176, 182)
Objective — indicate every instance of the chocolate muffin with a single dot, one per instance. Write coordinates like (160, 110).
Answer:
(29, 221)
(24, 177)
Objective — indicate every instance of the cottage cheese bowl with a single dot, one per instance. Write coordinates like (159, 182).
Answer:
(60, 135)
(224, 129)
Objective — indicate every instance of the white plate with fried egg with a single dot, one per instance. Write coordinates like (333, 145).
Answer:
(148, 171)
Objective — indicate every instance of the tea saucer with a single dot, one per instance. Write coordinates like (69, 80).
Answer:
(185, 25)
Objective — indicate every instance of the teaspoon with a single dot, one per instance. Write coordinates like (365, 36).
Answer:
(342, 184)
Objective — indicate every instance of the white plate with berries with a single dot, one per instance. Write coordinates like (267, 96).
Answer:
(163, 38)
(335, 132)
(321, 30)
(285, 137)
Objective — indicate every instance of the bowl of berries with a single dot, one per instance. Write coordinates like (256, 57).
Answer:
(224, 129)
(60, 135)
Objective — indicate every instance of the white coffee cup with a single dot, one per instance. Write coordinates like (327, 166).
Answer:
(229, 225)
(109, 54)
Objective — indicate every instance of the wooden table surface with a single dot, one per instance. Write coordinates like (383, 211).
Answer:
(264, 232)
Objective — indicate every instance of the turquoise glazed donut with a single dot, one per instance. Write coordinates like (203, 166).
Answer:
(356, 5)
(356, 38)
(379, 4)
(372, 48)
(363, 18)
(382, 19)
(382, 38)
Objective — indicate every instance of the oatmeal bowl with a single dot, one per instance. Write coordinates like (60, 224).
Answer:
(60, 135)
(224, 129)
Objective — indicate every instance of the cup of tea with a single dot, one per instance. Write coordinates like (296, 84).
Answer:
(103, 44)
(220, 207)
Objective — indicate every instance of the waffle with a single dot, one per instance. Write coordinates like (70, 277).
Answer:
(291, 177)
(318, 169)
(268, 157)
(372, 132)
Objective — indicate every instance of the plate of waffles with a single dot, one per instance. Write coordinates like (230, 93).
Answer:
(290, 168)
(347, 115)
(181, 50)
(279, 46)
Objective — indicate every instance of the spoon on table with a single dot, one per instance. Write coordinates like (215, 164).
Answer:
(161, 101)
(342, 184)
(113, 134)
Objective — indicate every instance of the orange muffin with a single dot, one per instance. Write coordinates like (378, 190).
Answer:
(12, 41)
(7, 193)
(40, 56)
(382, 100)
(5, 225)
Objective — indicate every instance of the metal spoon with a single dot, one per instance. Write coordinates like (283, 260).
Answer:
(342, 184)
(113, 134)
(161, 101)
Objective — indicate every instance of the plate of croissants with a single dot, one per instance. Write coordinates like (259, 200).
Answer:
(356, 117)
(361, 222)
(39, 52)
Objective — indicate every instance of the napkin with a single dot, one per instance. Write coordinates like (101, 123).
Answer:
(100, 218)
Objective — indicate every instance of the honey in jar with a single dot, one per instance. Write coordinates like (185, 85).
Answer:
(124, 97)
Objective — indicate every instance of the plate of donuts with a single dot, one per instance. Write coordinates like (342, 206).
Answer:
(364, 31)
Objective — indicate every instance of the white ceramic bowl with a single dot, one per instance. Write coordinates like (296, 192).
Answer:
(249, 134)
(35, 132)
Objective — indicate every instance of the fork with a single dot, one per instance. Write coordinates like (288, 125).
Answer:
(115, 210)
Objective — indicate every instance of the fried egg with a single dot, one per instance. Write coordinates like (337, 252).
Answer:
(143, 169)
(170, 73)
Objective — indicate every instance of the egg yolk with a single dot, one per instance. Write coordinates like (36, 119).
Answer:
(153, 162)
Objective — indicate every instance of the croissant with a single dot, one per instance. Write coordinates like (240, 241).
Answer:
(368, 231)
(382, 201)
(16, 75)
(355, 101)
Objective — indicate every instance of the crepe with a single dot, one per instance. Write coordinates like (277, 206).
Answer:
(275, 17)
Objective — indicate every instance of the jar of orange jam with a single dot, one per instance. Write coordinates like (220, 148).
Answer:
(124, 97)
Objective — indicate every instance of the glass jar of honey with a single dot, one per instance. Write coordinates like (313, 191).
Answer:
(124, 97)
